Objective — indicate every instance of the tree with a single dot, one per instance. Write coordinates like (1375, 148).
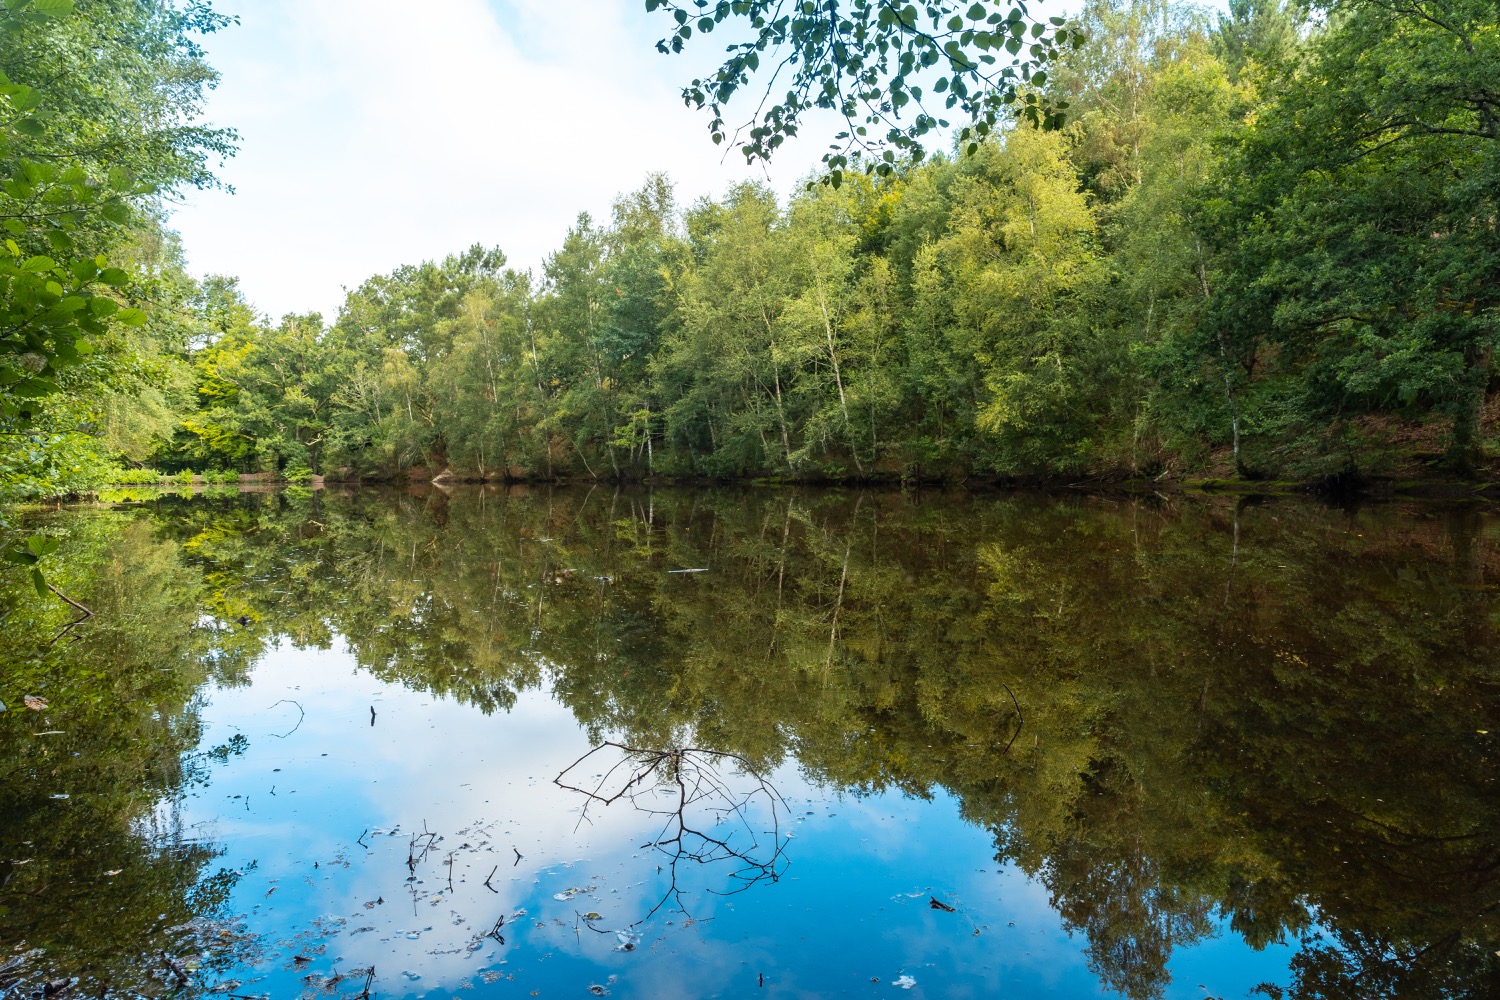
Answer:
(1357, 221)
(79, 160)
(1022, 258)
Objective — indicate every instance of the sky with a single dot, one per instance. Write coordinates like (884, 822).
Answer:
(377, 133)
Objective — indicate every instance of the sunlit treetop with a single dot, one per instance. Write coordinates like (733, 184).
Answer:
(895, 71)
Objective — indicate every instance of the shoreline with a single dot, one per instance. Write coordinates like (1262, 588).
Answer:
(1434, 488)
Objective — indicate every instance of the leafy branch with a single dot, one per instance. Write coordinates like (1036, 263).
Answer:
(868, 61)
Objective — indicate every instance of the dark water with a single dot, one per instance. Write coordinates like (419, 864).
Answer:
(319, 745)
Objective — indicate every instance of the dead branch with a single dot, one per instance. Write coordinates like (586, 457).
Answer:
(1019, 720)
(706, 819)
(414, 856)
(84, 614)
(301, 716)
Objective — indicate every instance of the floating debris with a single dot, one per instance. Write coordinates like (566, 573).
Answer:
(905, 982)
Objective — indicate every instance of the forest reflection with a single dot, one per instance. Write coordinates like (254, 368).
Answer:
(1170, 713)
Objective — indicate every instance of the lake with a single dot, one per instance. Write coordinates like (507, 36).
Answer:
(575, 742)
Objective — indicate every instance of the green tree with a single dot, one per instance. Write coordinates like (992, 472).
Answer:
(1358, 227)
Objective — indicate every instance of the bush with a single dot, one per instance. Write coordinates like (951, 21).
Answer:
(299, 474)
(118, 476)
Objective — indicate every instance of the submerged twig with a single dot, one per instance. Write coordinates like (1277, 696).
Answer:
(413, 857)
(301, 716)
(695, 781)
(175, 968)
(84, 615)
(1019, 720)
(69, 601)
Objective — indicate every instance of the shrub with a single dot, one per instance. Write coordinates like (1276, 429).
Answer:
(118, 476)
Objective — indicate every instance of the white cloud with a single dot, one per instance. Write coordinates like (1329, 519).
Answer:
(379, 133)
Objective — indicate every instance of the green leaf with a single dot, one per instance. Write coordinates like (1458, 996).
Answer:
(53, 8)
(132, 317)
(33, 388)
(39, 264)
(39, 582)
(24, 98)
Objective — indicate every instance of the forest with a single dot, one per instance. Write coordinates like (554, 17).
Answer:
(1259, 244)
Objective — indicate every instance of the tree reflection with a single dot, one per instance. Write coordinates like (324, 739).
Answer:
(1273, 715)
(100, 890)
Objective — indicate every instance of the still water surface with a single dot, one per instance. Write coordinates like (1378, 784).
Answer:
(576, 743)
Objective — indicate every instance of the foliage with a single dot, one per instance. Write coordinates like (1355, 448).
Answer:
(1357, 223)
(120, 476)
(1196, 274)
(878, 65)
(97, 109)
(1261, 245)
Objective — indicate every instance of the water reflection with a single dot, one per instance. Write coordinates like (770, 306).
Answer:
(711, 807)
(1175, 718)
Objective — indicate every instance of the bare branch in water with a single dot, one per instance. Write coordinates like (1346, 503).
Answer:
(705, 818)
(1019, 720)
(301, 717)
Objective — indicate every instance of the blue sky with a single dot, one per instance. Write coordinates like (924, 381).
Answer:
(377, 133)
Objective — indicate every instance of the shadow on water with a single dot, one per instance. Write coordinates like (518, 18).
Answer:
(1176, 718)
